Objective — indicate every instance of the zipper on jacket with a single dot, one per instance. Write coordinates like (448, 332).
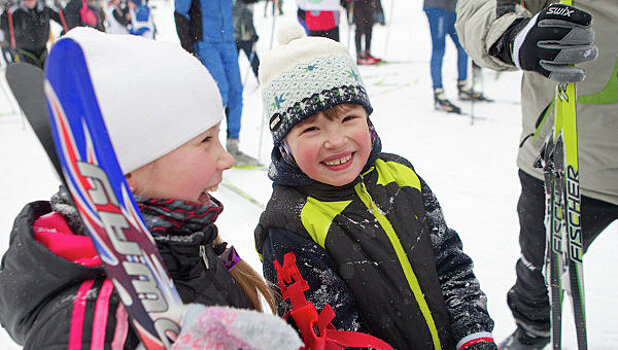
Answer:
(204, 257)
(363, 194)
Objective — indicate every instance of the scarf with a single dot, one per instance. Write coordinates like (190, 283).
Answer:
(168, 221)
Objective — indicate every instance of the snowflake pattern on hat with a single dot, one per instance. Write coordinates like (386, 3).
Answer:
(309, 87)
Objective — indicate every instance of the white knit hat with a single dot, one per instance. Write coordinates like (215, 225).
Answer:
(154, 96)
(306, 75)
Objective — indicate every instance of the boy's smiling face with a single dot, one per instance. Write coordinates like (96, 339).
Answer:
(332, 147)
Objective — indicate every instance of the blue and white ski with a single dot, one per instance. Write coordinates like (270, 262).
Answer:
(102, 196)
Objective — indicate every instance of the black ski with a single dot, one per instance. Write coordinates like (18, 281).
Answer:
(26, 83)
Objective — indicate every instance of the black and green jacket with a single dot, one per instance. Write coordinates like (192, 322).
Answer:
(379, 252)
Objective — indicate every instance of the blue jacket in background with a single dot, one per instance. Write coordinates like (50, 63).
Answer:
(217, 19)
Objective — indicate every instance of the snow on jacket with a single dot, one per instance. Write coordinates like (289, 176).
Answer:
(30, 26)
(597, 100)
(215, 17)
(379, 252)
(54, 293)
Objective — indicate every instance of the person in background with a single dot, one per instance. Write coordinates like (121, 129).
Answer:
(206, 29)
(368, 233)
(117, 17)
(441, 16)
(363, 14)
(84, 13)
(278, 4)
(244, 32)
(504, 35)
(26, 26)
(141, 19)
(322, 22)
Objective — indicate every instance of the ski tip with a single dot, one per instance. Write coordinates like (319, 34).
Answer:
(250, 167)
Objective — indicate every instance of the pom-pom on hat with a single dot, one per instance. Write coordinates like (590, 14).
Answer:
(152, 103)
(306, 75)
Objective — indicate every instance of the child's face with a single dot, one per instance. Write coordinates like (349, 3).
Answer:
(187, 173)
(332, 151)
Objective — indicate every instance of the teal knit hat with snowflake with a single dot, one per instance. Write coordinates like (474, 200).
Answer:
(306, 75)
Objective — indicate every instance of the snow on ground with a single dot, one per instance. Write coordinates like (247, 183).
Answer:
(468, 161)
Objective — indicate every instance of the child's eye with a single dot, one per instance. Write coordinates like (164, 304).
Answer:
(309, 129)
(207, 139)
(348, 118)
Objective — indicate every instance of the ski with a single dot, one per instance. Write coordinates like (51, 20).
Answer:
(243, 194)
(564, 253)
(91, 172)
(26, 84)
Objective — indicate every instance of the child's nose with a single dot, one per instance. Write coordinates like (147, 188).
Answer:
(336, 138)
(225, 160)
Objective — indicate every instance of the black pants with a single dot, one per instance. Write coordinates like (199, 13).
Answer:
(363, 19)
(330, 33)
(247, 47)
(528, 298)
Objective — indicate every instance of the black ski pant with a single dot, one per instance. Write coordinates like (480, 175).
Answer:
(330, 33)
(529, 298)
(363, 19)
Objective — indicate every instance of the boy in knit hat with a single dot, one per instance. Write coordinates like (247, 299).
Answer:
(368, 233)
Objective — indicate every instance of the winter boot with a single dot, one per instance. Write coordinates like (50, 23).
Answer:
(363, 60)
(467, 94)
(370, 56)
(524, 340)
(442, 104)
(240, 159)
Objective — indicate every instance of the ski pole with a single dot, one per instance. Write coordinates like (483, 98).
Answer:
(251, 58)
(272, 33)
(474, 77)
(261, 136)
(390, 25)
(350, 17)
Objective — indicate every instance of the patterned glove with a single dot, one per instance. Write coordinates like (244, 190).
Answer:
(482, 346)
(229, 328)
(477, 341)
(549, 43)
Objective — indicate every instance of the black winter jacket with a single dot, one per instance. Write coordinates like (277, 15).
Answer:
(380, 253)
(30, 26)
(38, 289)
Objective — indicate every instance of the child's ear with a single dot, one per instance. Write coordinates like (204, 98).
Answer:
(372, 131)
(286, 153)
(131, 182)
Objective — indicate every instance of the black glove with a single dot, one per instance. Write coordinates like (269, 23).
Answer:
(548, 43)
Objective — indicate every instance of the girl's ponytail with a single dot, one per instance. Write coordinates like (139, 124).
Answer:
(253, 284)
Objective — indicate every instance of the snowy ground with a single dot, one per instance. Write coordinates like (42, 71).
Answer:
(468, 162)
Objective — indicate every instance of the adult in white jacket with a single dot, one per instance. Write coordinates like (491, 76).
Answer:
(503, 35)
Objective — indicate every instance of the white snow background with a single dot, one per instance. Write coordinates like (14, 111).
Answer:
(468, 162)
